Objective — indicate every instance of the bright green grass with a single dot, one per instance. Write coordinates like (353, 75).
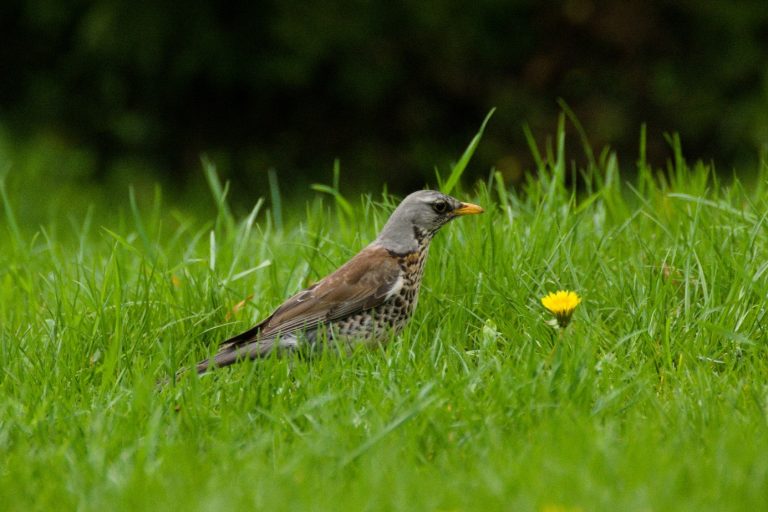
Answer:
(654, 398)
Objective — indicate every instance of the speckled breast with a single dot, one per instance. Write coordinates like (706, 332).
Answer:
(380, 323)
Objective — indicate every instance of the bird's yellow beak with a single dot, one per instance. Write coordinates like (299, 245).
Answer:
(468, 209)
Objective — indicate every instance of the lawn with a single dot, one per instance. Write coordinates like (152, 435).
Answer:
(654, 398)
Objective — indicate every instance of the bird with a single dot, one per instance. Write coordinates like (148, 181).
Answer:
(367, 300)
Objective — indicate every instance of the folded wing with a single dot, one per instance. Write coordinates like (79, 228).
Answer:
(364, 282)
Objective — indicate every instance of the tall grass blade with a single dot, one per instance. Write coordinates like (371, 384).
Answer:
(219, 193)
(277, 200)
(13, 226)
(461, 165)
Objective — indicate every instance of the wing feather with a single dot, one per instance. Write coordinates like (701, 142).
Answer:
(364, 282)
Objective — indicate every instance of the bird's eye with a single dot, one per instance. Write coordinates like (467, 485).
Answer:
(440, 206)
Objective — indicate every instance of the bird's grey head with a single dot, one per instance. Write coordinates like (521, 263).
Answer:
(418, 217)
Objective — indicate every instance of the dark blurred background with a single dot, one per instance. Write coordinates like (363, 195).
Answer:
(98, 91)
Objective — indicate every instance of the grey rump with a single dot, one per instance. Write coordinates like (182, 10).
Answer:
(365, 300)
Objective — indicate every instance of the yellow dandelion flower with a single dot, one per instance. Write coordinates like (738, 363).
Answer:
(561, 304)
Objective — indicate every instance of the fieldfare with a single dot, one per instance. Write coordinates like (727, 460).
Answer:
(366, 300)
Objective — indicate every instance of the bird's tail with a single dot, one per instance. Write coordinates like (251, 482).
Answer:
(230, 350)
(232, 353)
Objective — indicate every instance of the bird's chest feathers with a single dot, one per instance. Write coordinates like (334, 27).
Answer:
(406, 288)
(412, 266)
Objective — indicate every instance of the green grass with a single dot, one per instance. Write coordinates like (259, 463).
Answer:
(654, 398)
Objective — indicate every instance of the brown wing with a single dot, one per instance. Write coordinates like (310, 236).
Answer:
(360, 284)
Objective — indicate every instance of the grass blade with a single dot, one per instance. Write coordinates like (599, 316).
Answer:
(461, 165)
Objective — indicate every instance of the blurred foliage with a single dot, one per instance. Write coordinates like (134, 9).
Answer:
(117, 89)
